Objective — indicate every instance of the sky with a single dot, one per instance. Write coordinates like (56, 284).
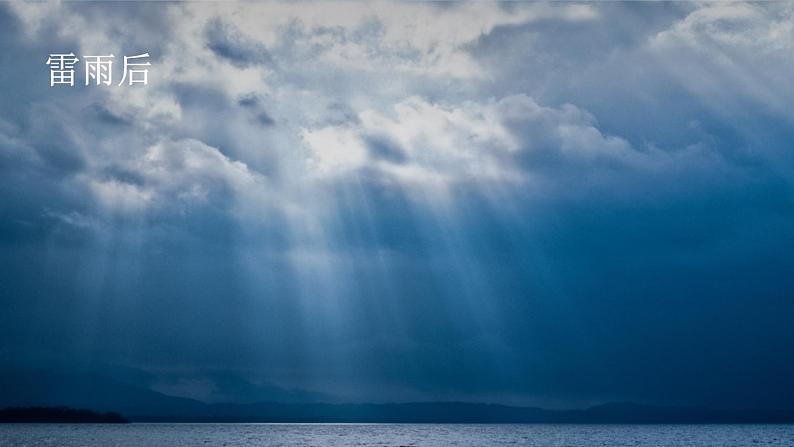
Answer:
(553, 204)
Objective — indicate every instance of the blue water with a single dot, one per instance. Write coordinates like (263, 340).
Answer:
(238, 435)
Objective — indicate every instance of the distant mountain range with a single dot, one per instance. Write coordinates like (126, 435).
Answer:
(57, 414)
(101, 394)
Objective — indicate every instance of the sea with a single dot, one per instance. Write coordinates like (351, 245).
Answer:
(239, 435)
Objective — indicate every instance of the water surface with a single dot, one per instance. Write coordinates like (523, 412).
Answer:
(238, 435)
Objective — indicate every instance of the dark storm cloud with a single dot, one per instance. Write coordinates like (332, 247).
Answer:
(254, 104)
(106, 116)
(383, 148)
(37, 155)
(251, 100)
(228, 43)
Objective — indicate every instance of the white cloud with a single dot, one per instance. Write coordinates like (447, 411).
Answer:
(732, 57)
(335, 150)
(760, 26)
(386, 87)
(120, 197)
(180, 174)
(471, 141)
(415, 38)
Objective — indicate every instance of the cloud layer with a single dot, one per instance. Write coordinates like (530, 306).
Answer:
(554, 204)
